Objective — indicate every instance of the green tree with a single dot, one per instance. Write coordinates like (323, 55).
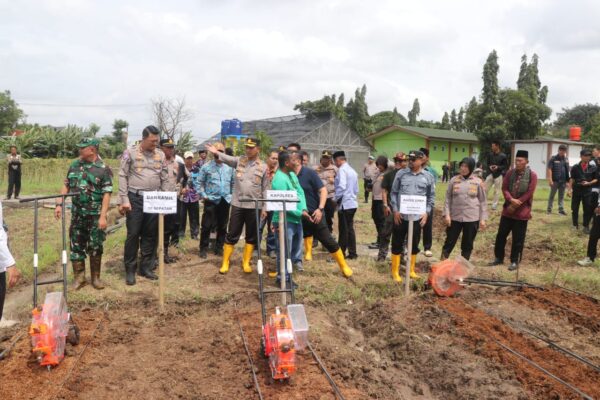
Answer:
(579, 114)
(92, 130)
(472, 116)
(445, 121)
(10, 113)
(119, 131)
(328, 105)
(460, 119)
(413, 114)
(358, 112)
(490, 91)
(454, 120)
(384, 119)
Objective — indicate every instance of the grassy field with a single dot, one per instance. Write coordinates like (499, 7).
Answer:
(45, 176)
(550, 243)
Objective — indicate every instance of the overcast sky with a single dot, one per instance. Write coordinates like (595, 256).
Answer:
(257, 59)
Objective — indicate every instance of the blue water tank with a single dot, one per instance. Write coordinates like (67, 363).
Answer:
(235, 127)
(225, 127)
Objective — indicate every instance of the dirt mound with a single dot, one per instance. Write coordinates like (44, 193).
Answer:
(484, 332)
(413, 353)
(579, 310)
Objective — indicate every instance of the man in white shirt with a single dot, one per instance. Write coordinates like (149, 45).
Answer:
(7, 264)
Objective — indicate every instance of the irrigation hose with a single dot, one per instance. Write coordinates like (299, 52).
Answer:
(329, 378)
(545, 371)
(81, 354)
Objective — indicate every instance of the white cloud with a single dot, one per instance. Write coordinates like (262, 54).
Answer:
(252, 59)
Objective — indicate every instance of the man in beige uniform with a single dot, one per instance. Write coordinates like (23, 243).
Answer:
(369, 172)
(143, 169)
(250, 182)
(174, 172)
(327, 172)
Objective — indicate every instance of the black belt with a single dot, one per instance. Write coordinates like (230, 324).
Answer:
(137, 192)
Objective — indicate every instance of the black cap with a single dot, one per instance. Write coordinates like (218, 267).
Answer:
(585, 152)
(167, 142)
(563, 147)
(416, 154)
(202, 150)
(339, 153)
(522, 154)
(326, 153)
(425, 151)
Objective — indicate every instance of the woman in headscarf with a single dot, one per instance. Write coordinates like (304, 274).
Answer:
(465, 209)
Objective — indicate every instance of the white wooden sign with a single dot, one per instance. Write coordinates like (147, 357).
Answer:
(160, 202)
(281, 195)
(413, 205)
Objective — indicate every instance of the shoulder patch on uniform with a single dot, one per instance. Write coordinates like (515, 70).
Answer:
(125, 155)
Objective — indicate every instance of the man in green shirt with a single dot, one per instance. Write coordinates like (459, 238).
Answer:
(286, 179)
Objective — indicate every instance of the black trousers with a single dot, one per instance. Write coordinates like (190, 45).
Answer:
(385, 235)
(14, 182)
(330, 207)
(142, 235)
(428, 232)
(585, 199)
(368, 187)
(321, 233)
(469, 232)
(171, 229)
(2, 291)
(377, 216)
(400, 234)
(238, 219)
(215, 216)
(592, 251)
(191, 211)
(519, 230)
(347, 239)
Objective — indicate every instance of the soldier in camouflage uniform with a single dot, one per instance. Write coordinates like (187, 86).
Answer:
(91, 179)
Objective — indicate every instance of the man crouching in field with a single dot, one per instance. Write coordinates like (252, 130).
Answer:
(91, 180)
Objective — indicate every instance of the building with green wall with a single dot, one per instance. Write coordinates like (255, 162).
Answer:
(444, 145)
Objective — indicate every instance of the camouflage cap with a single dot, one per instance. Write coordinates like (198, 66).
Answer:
(89, 141)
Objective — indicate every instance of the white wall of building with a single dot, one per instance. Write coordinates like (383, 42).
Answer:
(538, 156)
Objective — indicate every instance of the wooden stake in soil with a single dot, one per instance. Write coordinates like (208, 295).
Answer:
(409, 256)
(161, 261)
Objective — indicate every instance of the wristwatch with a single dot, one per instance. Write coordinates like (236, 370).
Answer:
(321, 209)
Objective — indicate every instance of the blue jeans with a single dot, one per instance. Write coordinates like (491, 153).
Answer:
(271, 241)
(294, 243)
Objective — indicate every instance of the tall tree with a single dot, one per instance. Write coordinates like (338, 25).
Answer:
(384, 119)
(490, 91)
(413, 114)
(454, 120)
(119, 132)
(10, 113)
(472, 116)
(170, 116)
(358, 112)
(522, 80)
(460, 119)
(445, 121)
(92, 130)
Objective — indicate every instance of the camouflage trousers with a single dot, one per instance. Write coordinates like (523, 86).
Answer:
(86, 237)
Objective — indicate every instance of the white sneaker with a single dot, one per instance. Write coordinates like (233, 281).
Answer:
(428, 253)
(585, 262)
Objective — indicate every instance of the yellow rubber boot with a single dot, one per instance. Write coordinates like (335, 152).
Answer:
(227, 252)
(338, 256)
(308, 242)
(413, 262)
(396, 268)
(247, 256)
